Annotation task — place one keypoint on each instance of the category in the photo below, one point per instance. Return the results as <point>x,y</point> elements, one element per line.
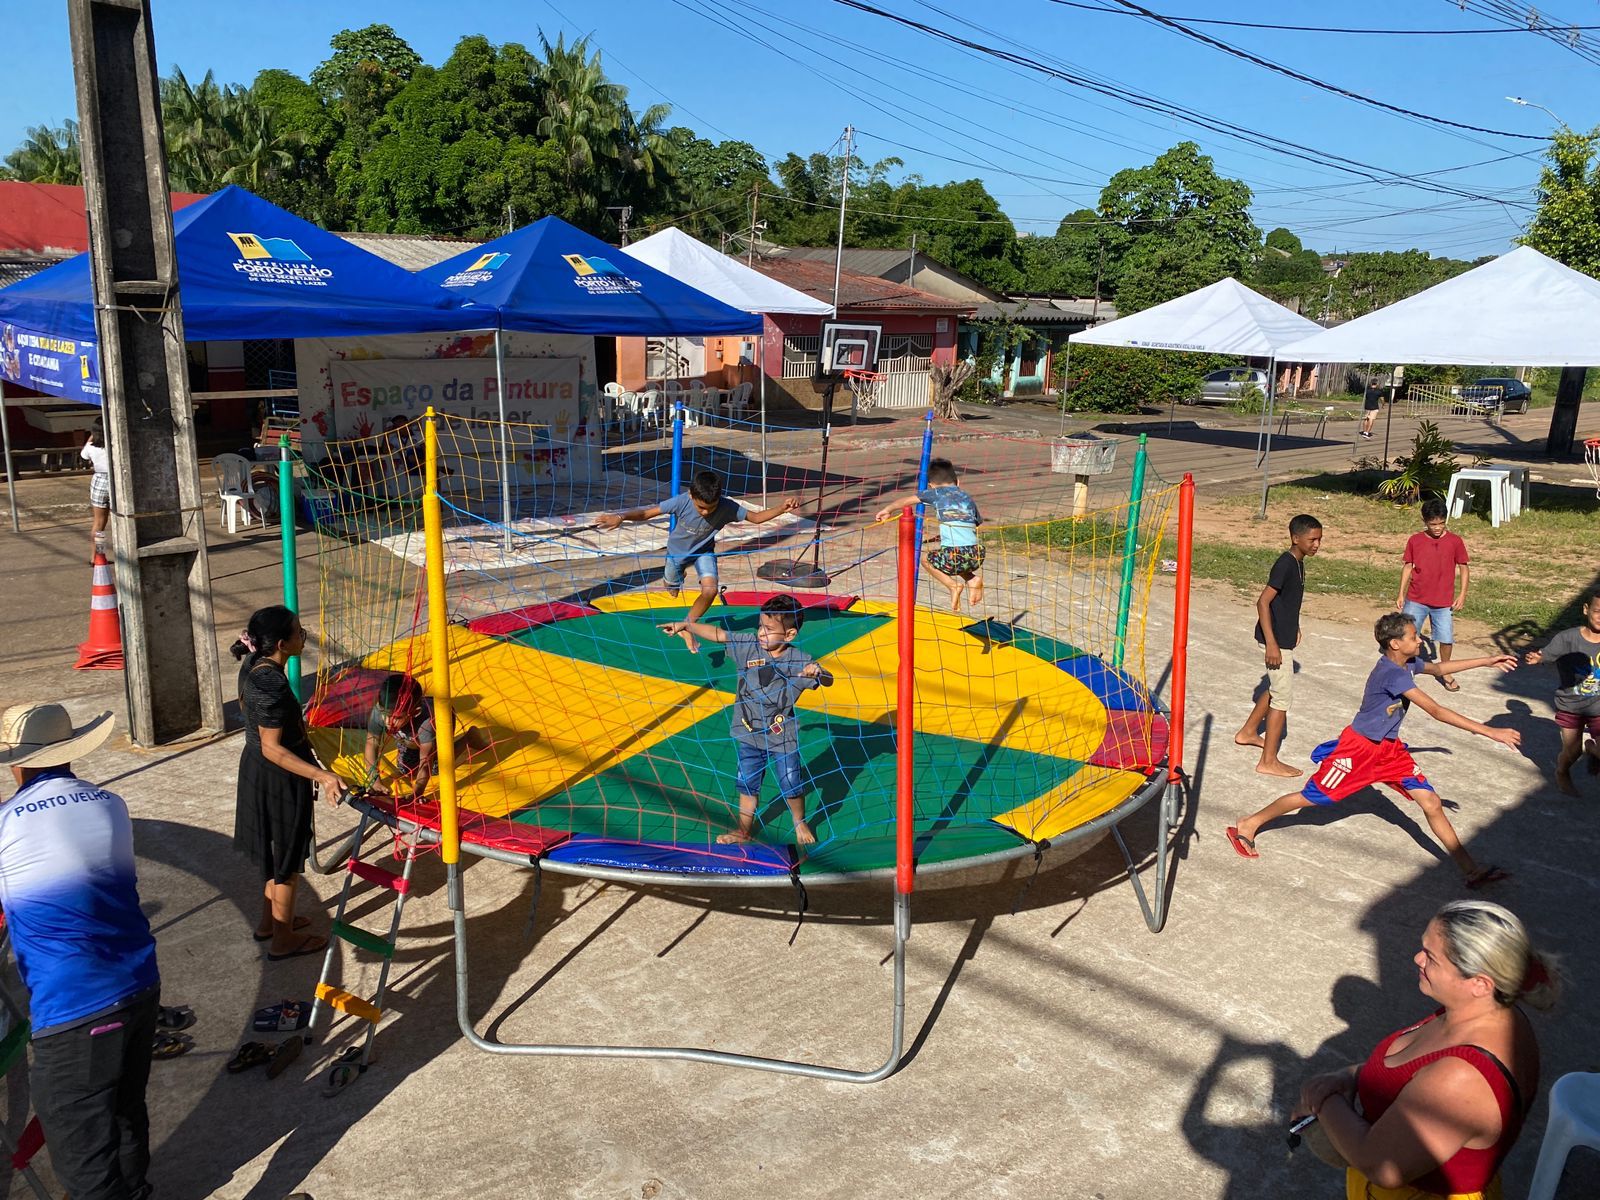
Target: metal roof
<point>413,251</point>
<point>857,292</point>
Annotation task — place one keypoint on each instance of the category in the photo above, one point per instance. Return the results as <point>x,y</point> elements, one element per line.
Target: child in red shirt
<point>1428,582</point>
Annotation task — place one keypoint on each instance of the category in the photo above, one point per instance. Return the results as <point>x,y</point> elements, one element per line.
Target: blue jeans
<point>1441,622</point>
<point>705,566</point>
<point>753,770</point>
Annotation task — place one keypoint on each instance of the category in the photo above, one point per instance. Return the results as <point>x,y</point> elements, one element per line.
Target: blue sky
<point>787,76</point>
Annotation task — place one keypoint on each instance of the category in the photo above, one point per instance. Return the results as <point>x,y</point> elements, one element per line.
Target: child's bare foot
<point>734,837</point>
<point>976,591</point>
<point>803,835</point>
<point>1564,783</point>
<point>1249,739</point>
<point>955,598</point>
<point>1282,770</point>
<point>1591,754</point>
<point>694,648</point>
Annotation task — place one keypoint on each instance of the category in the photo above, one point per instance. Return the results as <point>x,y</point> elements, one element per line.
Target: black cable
<point>1499,29</point>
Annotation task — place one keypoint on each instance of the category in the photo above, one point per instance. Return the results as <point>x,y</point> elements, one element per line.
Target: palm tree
<point>256,149</point>
<point>584,116</point>
<point>48,156</point>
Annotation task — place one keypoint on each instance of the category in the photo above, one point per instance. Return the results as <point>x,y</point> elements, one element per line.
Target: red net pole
<point>1180,627</point>
<point>904,717</point>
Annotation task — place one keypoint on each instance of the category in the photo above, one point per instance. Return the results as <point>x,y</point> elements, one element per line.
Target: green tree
<point>1287,270</point>
<point>366,70</point>
<point>1072,261</point>
<point>1178,225</point>
<point>48,155</point>
<point>306,187</point>
<point>962,226</point>
<point>1566,226</point>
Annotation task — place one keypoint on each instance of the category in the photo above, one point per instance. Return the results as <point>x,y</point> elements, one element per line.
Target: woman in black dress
<point>277,772</point>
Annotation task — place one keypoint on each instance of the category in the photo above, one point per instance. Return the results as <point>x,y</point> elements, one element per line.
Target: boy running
<point>773,673</point>
<point>699,513</point>
<point>1576,653</point>
<point>1428,582</point>
<point>958,561</point>
<point>1370,751</point>
<point>1278,632</point>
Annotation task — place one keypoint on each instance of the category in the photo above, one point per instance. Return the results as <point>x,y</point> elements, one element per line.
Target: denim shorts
<point>753,771</point>
<point>705,567</point>
<point>1441,622</point>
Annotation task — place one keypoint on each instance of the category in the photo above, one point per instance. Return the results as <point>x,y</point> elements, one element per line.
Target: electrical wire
<point>1342,29</point>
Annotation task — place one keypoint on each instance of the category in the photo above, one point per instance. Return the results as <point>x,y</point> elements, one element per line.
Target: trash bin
<point>1087,455</point>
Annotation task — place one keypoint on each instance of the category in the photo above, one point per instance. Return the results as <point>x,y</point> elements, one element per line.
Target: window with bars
<point>905,353</point>
<point>801,356</point>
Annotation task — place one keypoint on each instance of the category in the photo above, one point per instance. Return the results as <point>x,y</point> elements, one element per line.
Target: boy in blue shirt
<point>958,561</point>
<point>700,512</point>
<point>773,673</point>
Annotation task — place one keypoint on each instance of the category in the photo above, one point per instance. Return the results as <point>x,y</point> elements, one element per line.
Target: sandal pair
<point>276,1058</point>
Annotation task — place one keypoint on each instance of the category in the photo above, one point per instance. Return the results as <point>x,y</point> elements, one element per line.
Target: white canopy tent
<point>1522,309</point>
<point>689,261</point>
<point>1223,318</point>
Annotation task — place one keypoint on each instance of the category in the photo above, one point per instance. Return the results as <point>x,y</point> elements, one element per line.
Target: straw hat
<point>42,735</point>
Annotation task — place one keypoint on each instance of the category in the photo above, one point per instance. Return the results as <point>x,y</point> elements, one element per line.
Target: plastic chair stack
<point>234,488</point>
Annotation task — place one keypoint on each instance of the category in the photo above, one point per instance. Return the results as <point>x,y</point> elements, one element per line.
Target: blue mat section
<point>751,859</point>
<point>1115,689</point>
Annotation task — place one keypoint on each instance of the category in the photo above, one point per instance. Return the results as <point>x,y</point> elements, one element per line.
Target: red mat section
<point>496,833</point>
<point>347,700</point>
<point>517,620</point>
<point>1133,742</point>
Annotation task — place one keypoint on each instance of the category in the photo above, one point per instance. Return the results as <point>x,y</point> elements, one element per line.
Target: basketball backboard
<point>848,346</point>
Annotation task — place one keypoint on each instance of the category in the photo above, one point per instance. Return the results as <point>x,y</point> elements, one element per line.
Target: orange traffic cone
<point>102,651</point>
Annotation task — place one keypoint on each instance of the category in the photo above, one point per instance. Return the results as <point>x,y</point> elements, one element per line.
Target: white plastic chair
<point>649,407</point>
<point>1574,1121</point>
<point>1503,505</point>
<point>613,402</point>
<point>234,488</point>
<point>739,400</point>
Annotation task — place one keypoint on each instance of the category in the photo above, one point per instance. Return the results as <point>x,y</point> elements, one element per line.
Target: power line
<point>1341,29</point>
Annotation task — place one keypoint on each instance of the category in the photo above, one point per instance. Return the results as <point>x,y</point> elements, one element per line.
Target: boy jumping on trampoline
<point>1576,654</point>
<point>1278,633</point>
<point>773,672</point>
<point>958,561</point>
<point>699,513</point>
<point>1370,751</point>
<point>403,714</point>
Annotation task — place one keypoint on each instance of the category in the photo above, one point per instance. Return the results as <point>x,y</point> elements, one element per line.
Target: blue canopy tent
<point>246,269</point>
<point>551,277</point>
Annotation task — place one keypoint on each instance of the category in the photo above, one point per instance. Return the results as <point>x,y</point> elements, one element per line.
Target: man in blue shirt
<point>84,950</point>
<point>697,515</point>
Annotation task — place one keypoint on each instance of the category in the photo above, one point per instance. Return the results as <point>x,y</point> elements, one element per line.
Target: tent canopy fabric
<point>687,260</point>
<point>1523,308</point>
<point>551,277</point>
<point>1223,318</point>
<point>248,269</point>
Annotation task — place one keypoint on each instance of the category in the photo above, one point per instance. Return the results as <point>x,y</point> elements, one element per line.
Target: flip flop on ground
<point>1242,846</point>
<point>170,1045</point>
<point>175,1017</point>
<point>310,945</point>
<point>1484,876</point>
<point>299,924</point>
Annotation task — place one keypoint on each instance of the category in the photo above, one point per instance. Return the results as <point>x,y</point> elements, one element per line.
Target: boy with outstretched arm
<point>773,673</point>
<point>1370,751</point>
<point>1576,654</point>
<point>1278,633</point>
<point>700,512</point>
<point>1433,561</point>
<point>958,561</point>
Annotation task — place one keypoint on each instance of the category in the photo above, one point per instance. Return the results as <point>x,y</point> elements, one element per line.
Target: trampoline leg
<point>902,931</point>
<point>1155,914</point>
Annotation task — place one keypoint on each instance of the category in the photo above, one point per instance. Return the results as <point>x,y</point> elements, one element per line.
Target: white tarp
<point>675,253</point>
<point>1224,318</point>
<point>1523,309</point>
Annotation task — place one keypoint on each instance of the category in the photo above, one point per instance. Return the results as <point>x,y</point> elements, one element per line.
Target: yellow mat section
<point>965,689</point>
<point>1091,792</point>
<point>553,720</point>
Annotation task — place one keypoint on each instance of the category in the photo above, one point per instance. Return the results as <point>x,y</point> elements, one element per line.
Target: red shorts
<point>1354,762</point>
<point>1589,723</point>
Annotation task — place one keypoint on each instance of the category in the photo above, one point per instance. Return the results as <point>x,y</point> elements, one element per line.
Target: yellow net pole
<point>439,639</point>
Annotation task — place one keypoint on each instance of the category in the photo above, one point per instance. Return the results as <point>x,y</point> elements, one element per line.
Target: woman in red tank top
<point>1436,1108</point>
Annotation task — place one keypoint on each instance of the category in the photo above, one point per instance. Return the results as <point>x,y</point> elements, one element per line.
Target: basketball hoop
<point>1591,456</point>
<point>863,386</point>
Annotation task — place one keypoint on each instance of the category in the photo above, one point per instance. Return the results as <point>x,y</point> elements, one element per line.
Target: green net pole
<point>291,568</point>
<point>1130,551</point>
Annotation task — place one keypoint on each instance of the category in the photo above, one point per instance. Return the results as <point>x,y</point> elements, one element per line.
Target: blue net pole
<point>922,486</point>
<point>677,455</point>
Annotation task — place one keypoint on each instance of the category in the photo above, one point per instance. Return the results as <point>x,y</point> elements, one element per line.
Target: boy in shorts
<point>1576,653</point>
<point>773,673</point>
<point>958,561</point>
<point>1428,592</point>
<point>697,515</point>
<point>1370,751</point>
<point>1278,633</point>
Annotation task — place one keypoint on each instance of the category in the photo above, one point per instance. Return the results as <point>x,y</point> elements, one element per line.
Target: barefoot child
<point>1278,632</point>
<point>1370,751</point>
<point>699,513</point>
<point>1576,653</point>
<point>773,672</point>
<point>958,561</point>
<point>404,714</point>
<point>1428,582</point>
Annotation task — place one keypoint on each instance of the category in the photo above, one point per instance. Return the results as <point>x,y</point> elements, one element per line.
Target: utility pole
<point>157,517</point>
<point>911,267</point>
<point>1099,270</point>
<point>625,213</point>
<point>844,193</point>
<point>511,220</point>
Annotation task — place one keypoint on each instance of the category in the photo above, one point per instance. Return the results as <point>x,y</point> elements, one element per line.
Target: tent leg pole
<point>1266,451</point>
<point>11,471</point>
<point>761,368</point>
<point>1388,421</point>
<point>505,449</point>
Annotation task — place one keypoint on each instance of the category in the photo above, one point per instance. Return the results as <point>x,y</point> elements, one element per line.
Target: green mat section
<point>683,792</point>
<point>632,641</point>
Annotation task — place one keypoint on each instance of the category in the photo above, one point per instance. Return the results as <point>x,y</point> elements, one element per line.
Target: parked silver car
<point>1230,383</point>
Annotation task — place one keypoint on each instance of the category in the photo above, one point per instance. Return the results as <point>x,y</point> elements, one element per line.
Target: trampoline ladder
<point>333,997</point>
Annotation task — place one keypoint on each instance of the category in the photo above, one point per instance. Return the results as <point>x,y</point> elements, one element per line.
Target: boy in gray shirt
<point>773,673</point>
<point>1576,654</point>
<point>696,516</point>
